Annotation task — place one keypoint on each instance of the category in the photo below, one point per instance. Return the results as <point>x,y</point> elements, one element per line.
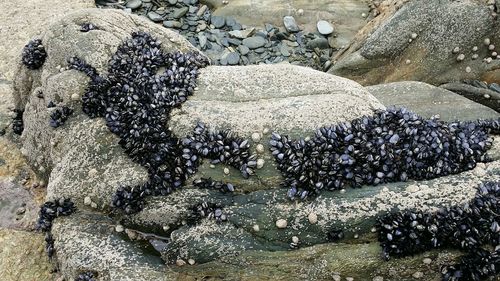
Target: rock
<point>321,43</point>
<point>22,256</point>
<point>18,210</point>
<point>281,223</point>
<point>242,34</point>
<point>428,100</point>
<point>180,12</point>
<point>217,21</point>
<point>380,49</point>
<point>290,24</point>
<point>154,16</point>
<point>82,158</point>
<point>172,24</point>
<point>313,218</point>
<point>134,4</point>
<point>203,41</point>
<point>254,42</point>
<point>324,27</point>
<point>427,261</point>
<point>243,49</point>
<point>233,58</point>
<point>284,50</point>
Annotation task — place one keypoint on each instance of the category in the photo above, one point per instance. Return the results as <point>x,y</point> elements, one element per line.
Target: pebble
<point>172,24</point>
<point>256,228</point>
<point>172,2</point>
<point>378,278</point>
<point>203,41</point>
<point>93,205</point>
<point>313,218</point>
<point>373,230</point>
<point>154,16</point>
<point>233,58</point>
<point>134,4</point>
<point>475,56</point>
<point>217,21</point>
<point>241,34</point>
<point>260,163</point>
<point>461,57</point>
<point>295,239</point>
<point>456,50</point>
<point>321,43</point>
<point>202,10</point>
<point>254,42</point>
<point>413,35</point>
<point>290,24</point>
<point>260,148</point>
<point>226,171</point>
<point>363,15</point>
<point>75,97</point>
<point>418,275</point>
<point>427,261</point>
<point>486,96</point>
<point>491,47</point>
<point>468,69</point>
<point>281,223</point>
<point>474,49</point>
<point>265,131</point>
<point>243,49</point>
<point>408,61</point>
<point>336,277</point>
<point>324,27</point>
<point>191,261</point>
<point>180,12</point>
<point>180,262</point>
<point>256,137</point>
<point>487,41</point>
<point>349,279</point>
<point>300,12</point>
<point>284,50</point>
<point>87,201</point>
<point>119,228</point>
<point>488,60</point>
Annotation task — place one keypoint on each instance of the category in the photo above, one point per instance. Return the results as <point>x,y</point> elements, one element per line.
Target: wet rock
<point>154,16</point>
<point>428,100</point>
<point>134,4</point>
<point>290,24</point>
<point>217,21</point>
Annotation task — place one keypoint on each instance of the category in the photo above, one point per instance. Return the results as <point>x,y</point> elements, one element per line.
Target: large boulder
<point>387,51</point>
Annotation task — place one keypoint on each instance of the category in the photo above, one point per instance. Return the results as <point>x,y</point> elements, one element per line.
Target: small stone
<point>260,163</point>
<point>373,230</point>
<point>254,42</point>
<point>474,49</point>
<point>87,201</point>
<point>418,275</point>
<point>486,96</point>
<point>356,236</point>
<point>226,171</point>
<point>243,49</point>
<point>180,12</point>
<point>75,97</point>
<point>461,57</point>
<point>93,205</point>
<point>300,12</point>
<point>119,228</point>
<point>281,223</point>
<point>378,278</point>
<point>468,69</point>
<point>408,61</point>
<point>180,262</point>
<point>413,35</point>
<point>259,148</point>
<point>256,137</point>
<point>475,56</point>
<point>265,131</point>
<point>313,218</point>
<point>241,34</point>
<point>494,54</point>
<point>349,279</point>
<point>212,166</point>
<point>172,2</point>
<point>131,234</point>
<point>342,191</point>
<point>203,41</point>
<point>166,228</point>
<point>256,228</point>
<point>295,239</point>
<point>491,47</point>
<point>456,50</point>
<point>201,10</point>
<point>336,277</point>
<point>427,261</point>
<point>154,16</point>
<point>284,50</point>
<point>233,58</point>
<point>290,24</point>
<point>488,60</point>
<point>324,27</point>
<point>217,21</point>
<point>134,4</point>
<point>363,15</point>
<point>191,261</point>
<point>487,41</point>
<point>321,43</point>
<point>172,24</point>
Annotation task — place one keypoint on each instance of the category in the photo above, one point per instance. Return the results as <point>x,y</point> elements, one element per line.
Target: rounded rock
<point>491,47</point>
<point>134,4</point>
<point>260,163</point>
<point>75,97</point>
<point>260,148</point>
<point>295,239</point>
<point>256,228</point>
<point>180,262</point>
<point>233,58</point>
<point>281,223</point>
<point>191,261</point>
<point>418,275</point>
<point>413,35</point>
<point>461,57</point>
<point>487,41</point>
<point>119,228</point>
<point>313,218</point>
<point>456,50</point>
<point>290,24</point>
<point>468,69</point>
<point>226,171</point>
<point>324,27</point>
<point>427,261</point>
<point>256,137</point>
<point>87,201</point>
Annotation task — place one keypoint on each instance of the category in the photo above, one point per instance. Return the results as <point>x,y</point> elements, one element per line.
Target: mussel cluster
<point>87,276</point>
<point>392,145</point>
<point>34,54</point>
<point>212,184</point>
<point>48,212</point>
<point>17,122</point>
<point>59,116</point>
<point>469,227</point>
<point>207,210</point>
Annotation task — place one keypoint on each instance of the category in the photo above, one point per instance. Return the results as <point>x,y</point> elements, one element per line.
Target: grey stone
<point>284,50</point>
<point>324,27</point>
<point>320,42</point>
<point>180,12</point>
<point>172,24</point>
<point>290,24</point>
<point>217,21</point>
<point>243,49</point>
<point>233,58</point>
<point>203,41</point>
<point>134,4</point>
<point>172,2</point>
<point>428,100</point>
<point>254,42</point>
<point>241,34</point>
<point>201,10</point>
<point>154,16</point>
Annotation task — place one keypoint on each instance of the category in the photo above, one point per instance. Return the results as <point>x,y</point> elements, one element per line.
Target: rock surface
<point>428,100</point>
<point>381,50</point>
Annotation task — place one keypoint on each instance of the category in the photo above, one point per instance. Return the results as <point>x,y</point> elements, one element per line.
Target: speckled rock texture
<point>261,99</point>
<point>383,52</point>
<point>81,158</point>
<point>428,100</point>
